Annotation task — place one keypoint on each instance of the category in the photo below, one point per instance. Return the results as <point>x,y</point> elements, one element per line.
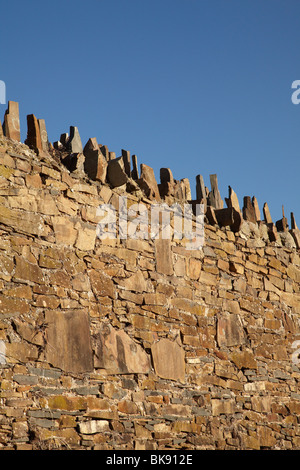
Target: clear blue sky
<point>198,86</point>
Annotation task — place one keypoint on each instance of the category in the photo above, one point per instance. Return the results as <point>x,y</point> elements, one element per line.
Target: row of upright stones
<point>99,164</point>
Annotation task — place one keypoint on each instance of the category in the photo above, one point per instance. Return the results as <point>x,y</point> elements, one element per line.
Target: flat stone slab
<point>68,344</point>
<point>169,360</point>
<point>116,352</point>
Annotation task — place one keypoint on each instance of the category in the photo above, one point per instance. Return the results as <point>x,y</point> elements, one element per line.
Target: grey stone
<point>74,144</point>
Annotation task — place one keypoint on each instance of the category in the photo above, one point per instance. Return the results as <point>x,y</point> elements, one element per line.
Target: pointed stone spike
<point>200,188</point>
<point>74,144</point>
<point>105,151</point>
<point>293,222</point>
<point>95,164</point>
<point>11,126</point>
<point>166,176</point>
<point>1,130</point>
<point>44,135</point>
<point>214,198</point>
<point>267,215</point>
<point>126,159</point>
<point>135,169</point>
<point>33,133</point>
<point>232,200</point>
<point>256,208</point>
<point>248,210</point>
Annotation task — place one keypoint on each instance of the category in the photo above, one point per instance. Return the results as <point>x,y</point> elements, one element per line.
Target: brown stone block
<point>116,352</point>
<point>13,305</point>
<point>168,359</point>
<point>28,272</point>
<point>163,256</point>
<point>102,285</point>
<point>244,359</point>
<point>68,341</point>
<point>12,121</point>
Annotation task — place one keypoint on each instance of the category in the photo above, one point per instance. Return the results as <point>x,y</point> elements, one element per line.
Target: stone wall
<point>139,344</point>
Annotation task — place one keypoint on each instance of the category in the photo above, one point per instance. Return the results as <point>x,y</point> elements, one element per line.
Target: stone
<point>64,139</point>
<point>136,282</point>
<point>200,189</point>
<point>226,217</point>
<point>282,224</point>
<point>11,126</point>
<point>95,164</point>
<point>296,236</point>
<point>26,271</point>
<point>94,426</point>
<point>126,160</point>
<point>147,183</point>
<point>1,130</point>
<point>135,170</point>
<point>116,175</point>
<point>214,197</point>
<point>86,238</point>
<point>74,144</point>
<point>267,215</point>
<point>230,331</point>
<point>102,285</point>
<point>44,135</point>
<point>232,200</point>
<point>169,360</point>
<point>244,359</point>
<point>117,353</point>
<point>64,230</point>
<point>248,210</point>
<point>68,345</point>
<point>163,256</point>
<point>256,208</point>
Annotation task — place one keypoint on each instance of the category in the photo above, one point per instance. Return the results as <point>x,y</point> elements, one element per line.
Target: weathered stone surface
<point>126,160</point>
<point>136,282</point>
<point>102,285</point>
<point>94,426</point>
<point>43,134</point>
<point>12,121</point>
<point>74,144</point>
<point>230,331</point>
<point>244,359</point>
<point>169,360</point>
<point>26,271</point>
<point>232,200</point>
<point>267,215</point>
<point>116,175</point>
<point>163,255</point>
<point>147,182</point>
<point>248,210</point>
<point>116,352</point>
<point>68,341</point>
<point>95,164</point>
<point>33,140</point>
<point>135,170</point>
<point>256,208</point>
<point>214,197</point>
<point>64,230</point>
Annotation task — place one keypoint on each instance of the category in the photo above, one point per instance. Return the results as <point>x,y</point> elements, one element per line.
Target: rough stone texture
<point>68,341</point>
<point>117,353</point>
<point>95,164</point>
<point>168,359</point>
<point>74,143</point>
<point>11,123</point>
<point>124,344</point>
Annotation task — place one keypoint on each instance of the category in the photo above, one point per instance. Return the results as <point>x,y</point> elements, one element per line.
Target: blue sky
<point>198,86</point>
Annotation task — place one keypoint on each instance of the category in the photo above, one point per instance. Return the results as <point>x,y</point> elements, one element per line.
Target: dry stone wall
<point>139,343</point>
